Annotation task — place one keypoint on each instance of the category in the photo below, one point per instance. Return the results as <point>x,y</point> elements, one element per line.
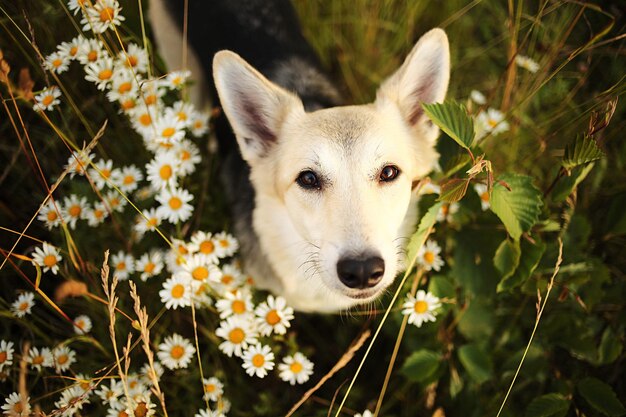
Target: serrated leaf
<point>549,405</point>
<point>506,258</point>
<point>518,208</point>
<point>566,185</point>
<point>601,397</point>
<point>421,365</point>
<point>453,190</point>
<point>582,151</point>
<point>452,118</point>
<point>419,237</point>
<point>529,259</point>
<point>476,362</point>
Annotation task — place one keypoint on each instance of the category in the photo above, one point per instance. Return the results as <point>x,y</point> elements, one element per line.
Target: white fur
<point>303,232</point>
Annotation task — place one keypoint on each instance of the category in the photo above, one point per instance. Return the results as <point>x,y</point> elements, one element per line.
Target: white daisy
<point>203,244</point>
<point>181,111</point>
<point>527,63</point>
<point>70,49</point>
<point>123,85</point>
<point>176,256</point>
<point>82,324</point>
<point>146,372</point>
<point>176,79</point>
<point>103,15</point>
<point>175,205</point>
<point>100,72</point>
<point>123,265</point>
<point>478,97</point>
<point>295,369</point>
<point>101,173</point>
<point>110,394</point>
<point>135,58</point>
<point>78,163</point>
<point>90,50</point>
<point>85,383</point>
<point>77,5</point>
<point>47,257</point>
<point>238,303</point>
<point>115,201</point>
<point>38,359</point>
<point>149,265</point>
<point>142,118</point>
<point>57,63</point>
<point>231,278</point>
<point>47,99</point>
<point>15,405</point>
<point>430,188</point>
<point>213,389</point>
<point>421,308</point>
<point>209,413</point>
<point>199,124</point>
<point>447,211</point>
<point>176,292</point>
<point>428,256</point>
<point>148,221</point>
<point>23,304</point>
<point>50,215</point>
<point>226,245</point>
<point>71,401</point>
<point>490,121</point>
<point>483,192</point>
<point>273,315</point>
<point>74,209</point>
<point>188,156</point>
<point>97,214</point>
<point>128,178</point>
<point>197,270</point>
<point>237,333</point>
<point>162,171</point>
<point>366,413</point>
<point>64,357</point>
<point>257,360</point>
<point>175,352</point>
<point>168,130</point>
<point>6,354</point>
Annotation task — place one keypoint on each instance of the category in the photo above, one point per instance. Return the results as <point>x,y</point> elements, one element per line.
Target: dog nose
<point>361,273</point>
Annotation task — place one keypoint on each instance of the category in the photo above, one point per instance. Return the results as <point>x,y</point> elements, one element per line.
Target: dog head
<point>334,186</point>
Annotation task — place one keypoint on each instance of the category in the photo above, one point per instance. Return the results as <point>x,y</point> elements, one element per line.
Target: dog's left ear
<point>422,78</point>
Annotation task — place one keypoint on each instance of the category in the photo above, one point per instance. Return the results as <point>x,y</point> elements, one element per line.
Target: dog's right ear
<point>256,108</point>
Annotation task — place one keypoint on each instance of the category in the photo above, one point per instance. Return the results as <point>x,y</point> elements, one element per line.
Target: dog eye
<point>389,173</point>
<point>308,180</point>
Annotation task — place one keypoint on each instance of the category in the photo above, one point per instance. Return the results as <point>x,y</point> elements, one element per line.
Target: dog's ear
<point>422,78</point>
<point>255,107</point>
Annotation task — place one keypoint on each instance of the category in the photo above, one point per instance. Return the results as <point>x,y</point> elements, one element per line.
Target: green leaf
<point>419,237</point>
<point>452,118</point>
<point>601,397</point>
<point>477,322</point>
<point>518,208</point>
<point>421,365</point>
<point>476,362</point>
<point>529,260</point>
<point>441,286</point>
<point>549,405</point>
<point>610,348</point>
<point>582,151</point>
<point>566,185</point>
<point>507,257</point>
<point>453,190</point>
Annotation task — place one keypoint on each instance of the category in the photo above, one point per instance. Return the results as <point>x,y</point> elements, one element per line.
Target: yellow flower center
<point>227,279</point>
<point>75,211</point>
<point>152,222</point>
<point>236,335</point>
<point>178,291</point>
<point>177,352</point>
<point>114,202</point>
<point>238,306</point>
<point>98,214</point>
<point>175,203</point>
<point>145,119</point>
<point>207,247</point>
<point>296,367</point>
<point>92,56</point>
<point>24,306</point>
<point>209,388</point>
<point>128,104</point>
<point>150,99</point>
<point>420,307</point>
<point>80,324</point>
<point>85,385</point>
<point>122,413</point>
<point>141,410</point>
<point>258,360</point>
<point>124,87</point>
<point>57,62</point>
<point>129,179</point>
<point>62,359</point>
<point>47,100</point>
<point>73,50</point>
<point>429,257</point>
<point>132,61</point>
<point>50,261</point>
<point>177,80</point>
<point>121,266</point>
<point>52,216</point>
<point>485,196</point>
<point>200,273</point>
<point>492,123</point>
<point>107,14</point>
<point>38,360</point>
<point>168,132</point>
<point>185,155</point>
<point>165,172</point>
<point>224,243</point>
<point>105,74</point>
<point>105,173</point>
<point>18,408</point>
<point>182,116</point>
<point>149,267</point>
<point>3,357</point>
<point>272,318</point>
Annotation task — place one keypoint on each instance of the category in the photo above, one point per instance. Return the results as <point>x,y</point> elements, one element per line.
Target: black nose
<point>360,273</point>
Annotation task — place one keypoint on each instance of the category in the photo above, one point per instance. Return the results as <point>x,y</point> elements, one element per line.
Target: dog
<point>323,194</point>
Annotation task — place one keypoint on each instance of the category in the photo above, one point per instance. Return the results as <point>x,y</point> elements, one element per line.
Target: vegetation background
<point>462,365</point>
